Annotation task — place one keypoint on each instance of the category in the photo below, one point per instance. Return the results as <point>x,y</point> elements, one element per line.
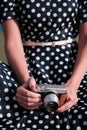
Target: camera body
<point>50,95</point>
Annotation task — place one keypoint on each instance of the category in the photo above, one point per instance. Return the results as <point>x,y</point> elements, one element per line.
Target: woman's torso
<point>48,20</point>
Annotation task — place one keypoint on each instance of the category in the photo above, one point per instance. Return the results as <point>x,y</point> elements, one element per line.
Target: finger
<point>62,99</point>
<point>31,83</point>
<point>27,93</point>
<point>71,93</point>
<point>65,107</point>
<point>29,108</point>
<point>30,102</point>
<point>27,99</point>
<point>69,103</point>
<point>76,101</point>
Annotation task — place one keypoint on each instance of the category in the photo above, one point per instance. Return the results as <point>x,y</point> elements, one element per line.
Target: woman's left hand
<point>69,99</point>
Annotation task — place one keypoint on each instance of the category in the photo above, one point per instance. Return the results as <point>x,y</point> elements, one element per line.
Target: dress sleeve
<point>7,10</point>
<point>83,11</point>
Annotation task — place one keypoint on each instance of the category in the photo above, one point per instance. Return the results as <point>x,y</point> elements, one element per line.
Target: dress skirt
<point>51,65</point>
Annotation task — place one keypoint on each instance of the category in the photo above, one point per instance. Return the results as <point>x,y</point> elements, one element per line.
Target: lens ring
<point>51,102</point>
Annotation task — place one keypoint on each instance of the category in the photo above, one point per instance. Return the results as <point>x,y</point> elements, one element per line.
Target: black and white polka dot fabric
<point>44,20</point>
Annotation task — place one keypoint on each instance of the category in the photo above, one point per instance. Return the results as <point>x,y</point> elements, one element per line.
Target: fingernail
<point>32,87</point>
<point>69,99</point>
<point>39,96</point>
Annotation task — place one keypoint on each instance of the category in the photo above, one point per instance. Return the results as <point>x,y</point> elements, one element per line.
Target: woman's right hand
<point>26,97</point>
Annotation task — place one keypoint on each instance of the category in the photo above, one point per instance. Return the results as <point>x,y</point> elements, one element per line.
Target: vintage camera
<point>50,95</point>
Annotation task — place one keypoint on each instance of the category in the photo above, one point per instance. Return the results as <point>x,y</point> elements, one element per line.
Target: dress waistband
<point>53,43</point>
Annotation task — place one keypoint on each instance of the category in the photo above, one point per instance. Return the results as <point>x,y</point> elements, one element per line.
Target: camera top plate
<point>61,89</point>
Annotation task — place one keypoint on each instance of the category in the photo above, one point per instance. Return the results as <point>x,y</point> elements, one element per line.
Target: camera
<point>50,95</point>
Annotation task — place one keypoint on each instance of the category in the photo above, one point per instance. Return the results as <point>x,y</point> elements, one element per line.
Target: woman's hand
<point>27,98</point>
<point>69,99</point>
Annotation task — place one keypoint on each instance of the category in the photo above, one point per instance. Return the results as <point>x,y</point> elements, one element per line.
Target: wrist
<point>24,79</point>
<point>73,83</point>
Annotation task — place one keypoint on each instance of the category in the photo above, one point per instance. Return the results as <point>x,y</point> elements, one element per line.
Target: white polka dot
<point>34,126</point>
<point>78,128</point>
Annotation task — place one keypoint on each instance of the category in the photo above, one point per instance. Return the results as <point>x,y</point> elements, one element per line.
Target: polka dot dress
<point>44,20</point>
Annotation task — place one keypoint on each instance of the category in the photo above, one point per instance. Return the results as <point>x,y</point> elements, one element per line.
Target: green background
<point>2,52</point>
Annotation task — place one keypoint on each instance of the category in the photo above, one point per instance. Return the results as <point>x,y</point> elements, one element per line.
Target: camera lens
<point>51,102</point>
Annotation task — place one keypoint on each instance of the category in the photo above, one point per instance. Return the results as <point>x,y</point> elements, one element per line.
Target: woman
<point>41,48</point>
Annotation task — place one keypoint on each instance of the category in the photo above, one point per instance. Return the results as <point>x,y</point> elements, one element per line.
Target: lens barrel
<point>51,101</point>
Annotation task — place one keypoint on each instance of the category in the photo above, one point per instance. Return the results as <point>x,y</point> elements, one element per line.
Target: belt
<point>53,43</point>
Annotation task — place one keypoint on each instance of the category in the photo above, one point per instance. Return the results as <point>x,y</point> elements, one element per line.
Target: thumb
<point>31,83</point>
<point>69,95</point>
